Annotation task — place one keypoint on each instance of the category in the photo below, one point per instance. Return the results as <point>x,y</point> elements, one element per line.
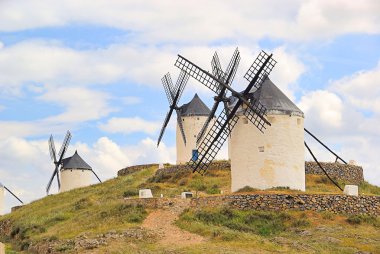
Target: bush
<point>246,189</point>
<point>130,193</point>
<point>362,218</point>
<point>213,189</point>
<point>300,223</point>
<point>257,222</point>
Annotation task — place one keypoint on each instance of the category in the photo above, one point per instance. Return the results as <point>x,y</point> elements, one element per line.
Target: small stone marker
<point>352,162</point>
<point>186,194</point>
<point>145,193</point>
<point>351,190</point>
<point>2,248</point>
<point>161,166</point>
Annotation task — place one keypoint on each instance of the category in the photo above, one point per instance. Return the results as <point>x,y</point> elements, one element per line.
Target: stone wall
<point>132,169</point>
<point>216,165</point>
<point>341,204</point>
<point>281,202</point>
<point>350,174</point>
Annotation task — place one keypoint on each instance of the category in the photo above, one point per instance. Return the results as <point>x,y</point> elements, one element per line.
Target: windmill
<point>218,82</point>
<point>72,172</point>
<point>227,77</point>
<point>57,161</point>
<point>255,161</point>
<point>2,188</point>
<point>173,94</point>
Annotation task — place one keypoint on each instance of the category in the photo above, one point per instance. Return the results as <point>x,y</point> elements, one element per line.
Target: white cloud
<point>130,125</point>
<point>26,166</point>
<point>324,107</point>
<point>80,104</point>
<point>187,22</point>
<point>131,100</point>
<point>362,89</point>
<point>336,116</point>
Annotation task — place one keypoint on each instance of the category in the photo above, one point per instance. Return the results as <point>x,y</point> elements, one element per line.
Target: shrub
<point>246,189</point>
<point>130,193</point>
<point>213,189</point>
<point>82,203</point>
<point>363,218</point>
<point>257,222</point>
<point>300,223</point>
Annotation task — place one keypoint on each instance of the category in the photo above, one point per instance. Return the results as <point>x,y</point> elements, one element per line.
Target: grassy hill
<point>96,219</point>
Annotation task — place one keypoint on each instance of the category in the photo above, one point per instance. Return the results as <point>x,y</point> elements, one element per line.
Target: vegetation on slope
<point>99,209</point>
<point>291,232</point>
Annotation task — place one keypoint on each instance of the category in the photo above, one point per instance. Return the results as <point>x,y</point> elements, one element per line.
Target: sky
<point>95,67</point>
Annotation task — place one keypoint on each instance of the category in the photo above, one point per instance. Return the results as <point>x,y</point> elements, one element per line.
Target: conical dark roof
<point>275,101</point>
<point>75,162</point>
<point>195,107</point>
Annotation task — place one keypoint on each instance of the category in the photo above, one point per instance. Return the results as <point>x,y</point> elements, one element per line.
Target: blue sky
<point>95,68</point>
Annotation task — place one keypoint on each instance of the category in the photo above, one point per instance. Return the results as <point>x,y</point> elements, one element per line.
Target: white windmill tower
<point>190,118</point>
<point>2,194</point>
<point>73,171</point>
<point>275,157</point>
<point>193,115</point>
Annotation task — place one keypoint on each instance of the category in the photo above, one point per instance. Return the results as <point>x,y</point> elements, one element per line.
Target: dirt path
<point>162,222</point>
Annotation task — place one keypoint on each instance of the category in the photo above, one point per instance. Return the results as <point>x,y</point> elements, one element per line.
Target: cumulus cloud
<point>322,106</point>
<point>336,116</point>
<point>167,20</point>
<point>79,104</point>
<point>130,125</point>
<point>26,165</point>
<point>361,89</point>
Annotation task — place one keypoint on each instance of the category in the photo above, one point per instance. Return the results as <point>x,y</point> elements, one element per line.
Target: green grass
<point>100,208</point>
<point>288,232</point>
<point>219,222</point>
<point>91,210</point>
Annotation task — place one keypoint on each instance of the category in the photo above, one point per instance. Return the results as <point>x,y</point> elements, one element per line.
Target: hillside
<point>96,219</point>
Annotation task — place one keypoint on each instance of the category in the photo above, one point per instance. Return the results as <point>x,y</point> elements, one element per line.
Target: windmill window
<point>194,156</point>
<point>245,120</point>
<point>261,149</point>
<point>298,121</point>
<point>183,119</point>
<point>197,118</point>
<point>195,136</point>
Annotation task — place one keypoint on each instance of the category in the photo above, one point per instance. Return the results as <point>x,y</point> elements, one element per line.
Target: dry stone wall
<point>132,169</point>
<point>341,204</point>
<point>350,174</point>
<point>281,202</point>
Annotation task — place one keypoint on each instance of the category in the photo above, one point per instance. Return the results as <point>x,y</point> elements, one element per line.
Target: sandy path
<point>162,222</point>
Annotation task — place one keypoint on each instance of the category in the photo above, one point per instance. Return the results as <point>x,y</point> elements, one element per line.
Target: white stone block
<point>2,248</point>
<point>145,193</point>
<point>352,162</point>
<point>351,190</point>
<point>186,194</point>
<point>160,166</point>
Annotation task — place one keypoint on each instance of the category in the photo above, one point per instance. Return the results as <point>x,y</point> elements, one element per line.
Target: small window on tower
<point>194,156</point>
<point>197,118</point>
<point>261,149</point>
<point>183,119</point>
<point>298,121</point>
<point>245,120</point>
